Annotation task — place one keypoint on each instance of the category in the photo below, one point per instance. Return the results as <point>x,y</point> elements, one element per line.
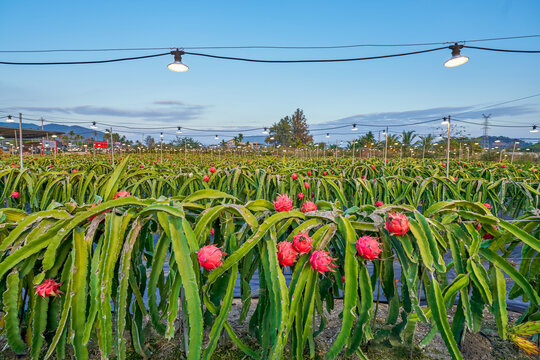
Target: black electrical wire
<point>503,50</point>
<point>313,60</point>
<point>84,62</point>
<point>270,46</point>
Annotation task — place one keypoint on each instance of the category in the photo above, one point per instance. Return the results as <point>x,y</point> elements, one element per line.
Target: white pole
<point>448,150</point>
<point>112,148</point>
<point>513,151</point>
<point>386,145</point>
<point>20,139</point>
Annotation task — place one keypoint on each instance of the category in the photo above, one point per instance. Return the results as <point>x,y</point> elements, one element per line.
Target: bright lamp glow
<point>327,135</point>
<point>456,59</point>
<point>93,125</point>
<point>179,131</point>
<point>177,65</point>
<point>534,129</point>
<point>497,141</point>
<point>10,119</point>
<point>265,131</point>
<point>445,121</point>
<point>354,128</point>
<point>216,138</point>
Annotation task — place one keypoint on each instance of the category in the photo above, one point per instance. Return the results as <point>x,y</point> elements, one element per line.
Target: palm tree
<point>427,142</point>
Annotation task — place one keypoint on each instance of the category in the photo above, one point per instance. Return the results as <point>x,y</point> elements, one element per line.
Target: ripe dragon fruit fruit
<point>302,243</point>
<point>309,206</point>
<point>48,288</point>
<point>286,253</point>
<point>212,169</point>
<point>121,194</point>
<point>379,203</point>
<point>283,203</point>
<point>321,261</point>
<point>294,176</point>
<point>210,257</point>
<point>15,195</point>
<point>368,247</point>
<point>300,196</point>
<point>397,224</point>
<point>487,235</point>
<point>206,178</point>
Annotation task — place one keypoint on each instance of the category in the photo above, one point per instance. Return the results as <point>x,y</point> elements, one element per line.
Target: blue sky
<point>218,94</point>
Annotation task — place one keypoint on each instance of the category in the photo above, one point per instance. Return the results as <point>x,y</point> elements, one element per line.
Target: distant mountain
<point>505,142</point>
<point>79,130</point>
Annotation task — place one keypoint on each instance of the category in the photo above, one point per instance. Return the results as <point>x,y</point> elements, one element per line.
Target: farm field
<point>267,257</point>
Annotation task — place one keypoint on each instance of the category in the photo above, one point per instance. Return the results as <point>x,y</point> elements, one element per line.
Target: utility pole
<point>20,139</point>
<point>385,145</point>
<point>513,151</point>
<point>112,148</point>
<point>485,143</point>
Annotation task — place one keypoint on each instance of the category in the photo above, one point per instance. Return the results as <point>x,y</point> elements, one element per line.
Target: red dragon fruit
<point>300,196</point>
<point>286,253</point>
<point>206,178</point>
<point>212,169</point>
<point>379,203</point>
<point>48,288</point>
<point>302,243</point>
<point>121,194</point>
<point>15,195</point>
<point>294,176</point>
<point>321,261</point>
<point>309,206</point>
<point>283,203</point>
<point>397,224</point>
<point>368,247</point>
<point>210,257</point>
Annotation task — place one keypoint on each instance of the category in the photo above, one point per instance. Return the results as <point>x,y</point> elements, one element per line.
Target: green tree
<point>300,131</point>
<point>149,141</point>
<point>280,133</point>
<point>186,141</point>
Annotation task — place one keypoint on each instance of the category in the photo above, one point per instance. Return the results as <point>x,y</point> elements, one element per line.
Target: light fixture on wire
<point>161,136</point>
<point>265,131</point>
<point>456,59</point>
<point>534,129</point>
<point>177,65</point>
<point>354,128</point>
<point>9,119</point>
<point>93,125</point>
<point>497,141</point>
<point>444,121</point>
<point>179,130</point>
<point>327,135</point>
<point>216,138</point>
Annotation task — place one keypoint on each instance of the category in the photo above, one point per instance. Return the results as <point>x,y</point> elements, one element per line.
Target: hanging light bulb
<point>265,131</point>
<point>161,136</point>
<point>177,65</point>
<point>456,59</point>
<point>216,138</point>
<point>444,121</point>
<point>354,128</point>
<point>9,119</point>
<point>327,135</point>
<point>271,138</point>
<point>534,129</point>
<point>497,141</point>
<point>93,125</point>
<point>179,131</point>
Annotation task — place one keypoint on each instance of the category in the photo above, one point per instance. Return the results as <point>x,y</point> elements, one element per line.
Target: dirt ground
<point>483,346</point>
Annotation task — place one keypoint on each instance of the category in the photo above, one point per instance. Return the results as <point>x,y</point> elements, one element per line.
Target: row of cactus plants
<point>76,273</point>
